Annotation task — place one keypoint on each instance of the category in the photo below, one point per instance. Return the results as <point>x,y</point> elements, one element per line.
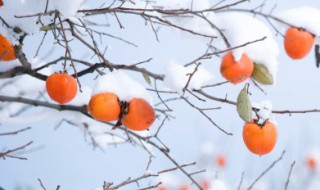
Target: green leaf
<point>261,74</point>
<point>45,28</point>
<point>147,78</point>
<point>244,107</point>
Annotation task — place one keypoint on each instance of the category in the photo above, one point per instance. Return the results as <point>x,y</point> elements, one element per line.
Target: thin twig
<point>288,179</point>
<point>265,171</point>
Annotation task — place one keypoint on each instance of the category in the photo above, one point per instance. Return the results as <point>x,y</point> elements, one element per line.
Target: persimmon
<point>61,87</point>
<point>236,71</point>
<point>311,162</point>
<point>161,187</point>
<point>6,50</point>
<point>104,107</point>
<point>260,139</point>
<point>1,3</point>
<point>221,161</point>
<point>205,185</point>
<point>184,187</point>
<point>139,116</point>
<point>298,42</point>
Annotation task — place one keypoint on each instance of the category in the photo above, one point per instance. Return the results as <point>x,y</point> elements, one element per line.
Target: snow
<point>240,28</point>
<point>122,85</point>
<point>12,8</point>
<point>265,111</point>
<point>305,17</point>
<point>82,98</point>
<point>207,149</point>
<point>67,8</point>
<point>169,180</point>
<point>217,184</point>
<point>9,65</point>
<point>150,172</point>
<point>170,4</point>
<point>176,77</point>
<point>184,4</point>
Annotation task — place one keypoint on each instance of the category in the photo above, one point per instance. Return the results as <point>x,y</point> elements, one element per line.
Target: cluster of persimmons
<point>138,114</point>
<point>261,138</point>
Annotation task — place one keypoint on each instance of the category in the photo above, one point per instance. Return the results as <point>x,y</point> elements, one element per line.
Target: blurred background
<point>64,156</point>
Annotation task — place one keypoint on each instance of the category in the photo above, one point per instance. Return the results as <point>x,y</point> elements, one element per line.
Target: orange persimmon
<point>104,107</point>
<point>61,87</point>
<point>236,71</point>
<point>260,139</point>
<point>298,42</point>
<point>140,115</point>
<point>6,50</point>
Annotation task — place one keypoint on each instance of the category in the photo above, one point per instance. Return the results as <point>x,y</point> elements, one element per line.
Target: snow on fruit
<point>116,96</point>
<point>236,71</point>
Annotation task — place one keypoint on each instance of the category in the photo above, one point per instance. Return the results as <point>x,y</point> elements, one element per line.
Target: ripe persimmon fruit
<point>221,161</point>
<point>311,162</point>
<point>161,187</point>
<point>205,185</point>
<point>298,42</point>
<point>260,139</point>
<point>6,50</point>
<point>184,187</point>
<point>104,107</point>
<point>139,115</point>
<point>61,87</point>
<point>236,71</point>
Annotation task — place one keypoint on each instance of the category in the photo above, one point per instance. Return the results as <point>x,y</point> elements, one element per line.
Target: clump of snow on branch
<point>240,29</point>
<point>217,184</point>
<point>122,85</point>
<point>67,8</point>
<point>170,4</point>
<point>169,180</point>
<point>13,8</point>
<point>194,22</point>
<point>82,98</point>
<point>265,111</point>
<point>176,77</point>
<point>305,17</point>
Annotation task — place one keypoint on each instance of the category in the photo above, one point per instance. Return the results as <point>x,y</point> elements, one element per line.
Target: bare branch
<point>265,171</point>
<point>15,132</point>
<point>288,179</point>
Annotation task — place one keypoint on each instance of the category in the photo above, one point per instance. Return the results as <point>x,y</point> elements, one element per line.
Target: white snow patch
<point>305,17</point>
<point>82,98</point>
<point>217,184</point>
<point>13,8</point>
<point>9,65</point>
<point>240,28</point>
<point>122,85</point>
<point>67,8</point>
<point>150,172</point>
<point>207,149</point>
<point>265,111</point>
<point>176,77</point>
